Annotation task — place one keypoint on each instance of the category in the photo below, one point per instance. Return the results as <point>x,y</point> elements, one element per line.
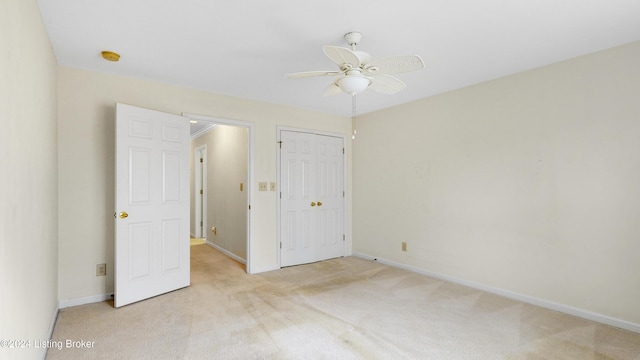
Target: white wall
<point>28,179</point>
<point>529,183</point>
<point>227,151</point>
<point>86,117</point>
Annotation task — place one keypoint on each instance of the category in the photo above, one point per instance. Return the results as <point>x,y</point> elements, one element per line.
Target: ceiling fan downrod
<point>353,38</point>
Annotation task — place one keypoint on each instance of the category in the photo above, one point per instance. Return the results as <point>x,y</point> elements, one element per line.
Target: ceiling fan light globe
<point>353,84</point>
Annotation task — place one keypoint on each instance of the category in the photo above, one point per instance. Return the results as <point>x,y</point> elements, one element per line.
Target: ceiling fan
<point>359,72</point>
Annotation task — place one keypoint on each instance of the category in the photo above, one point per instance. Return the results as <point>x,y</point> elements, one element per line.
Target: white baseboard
<point>54,318</point>
<point>585,314</point>
<point>228,253</point>
<point>52,326</point>
<point>84,300</point>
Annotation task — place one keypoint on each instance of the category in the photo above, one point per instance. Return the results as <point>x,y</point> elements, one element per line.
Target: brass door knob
<point>313,203</point>
<point>123,214</point>
<point>319,203</point>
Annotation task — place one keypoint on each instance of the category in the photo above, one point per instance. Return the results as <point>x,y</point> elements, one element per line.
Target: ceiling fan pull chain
<point>353,118</point>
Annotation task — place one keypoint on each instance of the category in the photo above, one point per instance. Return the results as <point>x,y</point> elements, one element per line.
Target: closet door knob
<point>319,203</point>
<point>313,203</point>
<point>123,215</point>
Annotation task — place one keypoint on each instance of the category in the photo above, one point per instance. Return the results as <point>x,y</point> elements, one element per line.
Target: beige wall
<point>227,164</point>
<point>28,180</point>
<point>86,127</point>
<point>529,183</point>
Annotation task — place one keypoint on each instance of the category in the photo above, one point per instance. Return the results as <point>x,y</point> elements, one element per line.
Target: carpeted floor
<point>346,308</point>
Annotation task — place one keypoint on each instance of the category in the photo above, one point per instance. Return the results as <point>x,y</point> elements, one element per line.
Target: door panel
<point>170,249</point>
<point>152,174</point>
<point>140,173</point>
<point>140,249</point>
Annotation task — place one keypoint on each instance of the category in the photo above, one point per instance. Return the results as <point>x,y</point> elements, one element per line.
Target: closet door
<point>298,198</point>
<point>330,197</point>
<point>311,198</point>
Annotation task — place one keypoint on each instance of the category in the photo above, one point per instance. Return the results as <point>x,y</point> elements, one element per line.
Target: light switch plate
<point>262,186</point>
<point>272,186</point>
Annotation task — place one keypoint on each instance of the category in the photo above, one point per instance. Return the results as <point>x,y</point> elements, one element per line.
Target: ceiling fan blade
<point>331,90</point>
<point>341,55</point>
<point>313,73</point>
<point>395,64</point>
<point>386,84</point>
<point>363,56</point>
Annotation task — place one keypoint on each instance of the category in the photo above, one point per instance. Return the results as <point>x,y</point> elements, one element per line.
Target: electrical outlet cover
<point>101,270</point>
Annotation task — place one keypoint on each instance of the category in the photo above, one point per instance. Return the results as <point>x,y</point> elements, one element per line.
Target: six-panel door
<point>152,204</point>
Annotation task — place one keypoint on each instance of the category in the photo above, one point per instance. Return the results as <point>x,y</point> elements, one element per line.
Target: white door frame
<point>250,126</point>
<point>279,130</point>
<point>201,183</point>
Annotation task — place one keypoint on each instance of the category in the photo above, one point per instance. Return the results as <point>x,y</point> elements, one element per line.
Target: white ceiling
<point>243,48</point>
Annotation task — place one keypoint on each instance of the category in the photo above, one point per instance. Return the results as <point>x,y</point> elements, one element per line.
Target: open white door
<point>152,204</point>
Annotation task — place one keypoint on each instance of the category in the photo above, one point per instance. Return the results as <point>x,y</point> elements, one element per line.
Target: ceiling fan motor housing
<point>353,38</point>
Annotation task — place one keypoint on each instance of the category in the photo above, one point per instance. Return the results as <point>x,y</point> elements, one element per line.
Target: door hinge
<point>342,193</point>
<point>249,206</point>
<point>342,151</point>
<point>280,142</point>
<point>280,194</point>
<point>201,192</point>
<point>201,224</point>
<point>280,244</point>
<point>201,158</point>
<point>344,237</point>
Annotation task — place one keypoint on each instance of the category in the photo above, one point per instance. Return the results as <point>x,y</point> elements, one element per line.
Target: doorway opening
<point>221,191</point>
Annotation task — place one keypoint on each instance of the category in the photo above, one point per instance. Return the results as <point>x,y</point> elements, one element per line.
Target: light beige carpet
<point>345,308</point>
